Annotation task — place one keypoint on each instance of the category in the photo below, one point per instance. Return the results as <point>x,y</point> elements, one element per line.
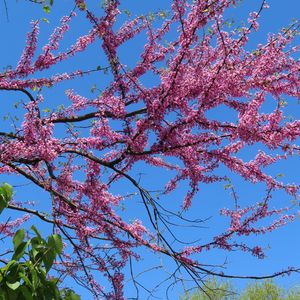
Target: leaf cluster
<point>26,275</point>
<point>46,4</point>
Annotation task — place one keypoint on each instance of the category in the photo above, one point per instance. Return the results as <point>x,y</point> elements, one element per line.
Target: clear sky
<point>284,243</point>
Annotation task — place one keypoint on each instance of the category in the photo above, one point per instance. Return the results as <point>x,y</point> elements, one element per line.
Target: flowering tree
<point>80,153</point>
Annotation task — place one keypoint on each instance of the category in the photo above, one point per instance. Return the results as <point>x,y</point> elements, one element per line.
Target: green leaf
<point>19,252</point>
<point>228,186</point>
<point>6,191</point>
<point>7,267</point>
<point>36,232</point>
<point>55,242</point>
<point>127,12</point>
<point>51,290</point>
<point>93,88</point>
<point>209,30</point>
<point>25,279</point>
<point>12,295</point>
<point>71,296</point>
<point>34,277</point>
<point>3,204</point>
<point>33,253</point>
<point>82,6</point>
<point>48,259</point>
<point>14,285</point>
<point>26,293</point>
<point>18,238</point>
<point>46,9</point>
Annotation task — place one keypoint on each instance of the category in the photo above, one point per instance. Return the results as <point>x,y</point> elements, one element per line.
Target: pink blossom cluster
<point>24,66</point>
<point>9,228</point>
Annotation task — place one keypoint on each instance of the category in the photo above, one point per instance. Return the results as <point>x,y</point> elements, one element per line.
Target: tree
<point>82,151</point>
<point>266,290</point>
<point>213,290</point>
<point>269,290</point>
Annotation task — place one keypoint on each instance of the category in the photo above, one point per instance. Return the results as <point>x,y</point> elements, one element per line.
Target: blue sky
<point>284,243</point>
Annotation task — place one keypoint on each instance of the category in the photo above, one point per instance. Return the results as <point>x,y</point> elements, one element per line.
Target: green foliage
<point>213,290</point>
<point>46,4</point>
<point>264,290</point>
<point>26,275</point>
<point>6,192</point>
<point>268,290</point>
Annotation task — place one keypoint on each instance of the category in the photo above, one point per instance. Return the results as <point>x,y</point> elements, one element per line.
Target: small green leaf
<point>256,52</point>
<point>82,6</point>
<point>16,105</point>
<point>228,186</point>
<point>14,285</point>
<point>45,20</point>
<point>38,243</point>
<point>60,107</point>
<point>46,9</point>
<point>36,232</point>
<point>127,12</point>
<point>7,267</point>
<point>71,296</point>
<point>26,280</point>
<point>162,14</point>
<point>18,238</point>
<point>93,88</point>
